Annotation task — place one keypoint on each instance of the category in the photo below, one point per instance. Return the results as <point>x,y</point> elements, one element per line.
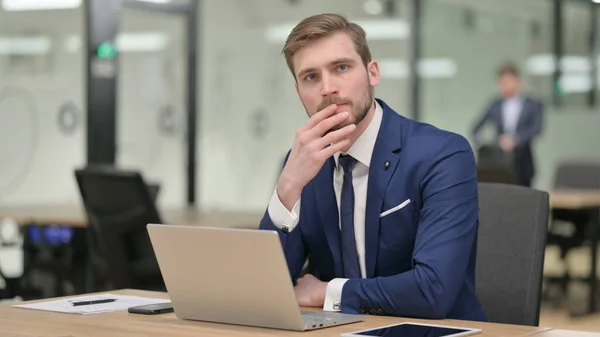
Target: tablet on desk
<point>409,329</point>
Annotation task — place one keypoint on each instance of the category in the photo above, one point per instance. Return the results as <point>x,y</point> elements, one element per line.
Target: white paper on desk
<point>66,305</point>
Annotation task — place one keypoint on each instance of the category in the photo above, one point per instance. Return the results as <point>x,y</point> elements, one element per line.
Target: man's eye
<point>310,77</point>
<point>343,67</point>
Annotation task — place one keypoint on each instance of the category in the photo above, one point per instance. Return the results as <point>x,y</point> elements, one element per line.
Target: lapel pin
<point>387,164</point>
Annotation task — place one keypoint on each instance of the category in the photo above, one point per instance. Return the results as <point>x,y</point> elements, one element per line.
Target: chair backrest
<point>495,174</point>
<point>513,222</point>
<point>153,190</point>
<point>495,166</point>
<point>494,154</point>
<point>119,205</point>
<point>577,174</point>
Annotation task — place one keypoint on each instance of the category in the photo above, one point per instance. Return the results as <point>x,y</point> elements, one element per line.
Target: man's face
<point>330,71</point>
<point>509,85</point>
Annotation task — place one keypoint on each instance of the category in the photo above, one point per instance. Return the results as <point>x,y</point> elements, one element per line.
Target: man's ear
<point>374,75</point>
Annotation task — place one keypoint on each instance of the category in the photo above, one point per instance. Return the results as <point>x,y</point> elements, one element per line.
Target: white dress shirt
<point>361,150</point>
<point>511,111</point>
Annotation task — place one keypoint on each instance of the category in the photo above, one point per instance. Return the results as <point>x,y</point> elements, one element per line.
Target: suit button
<point>380,311</point>
<point>373,312</point>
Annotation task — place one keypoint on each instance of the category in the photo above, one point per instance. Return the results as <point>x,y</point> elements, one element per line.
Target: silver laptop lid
<point>232,276</point>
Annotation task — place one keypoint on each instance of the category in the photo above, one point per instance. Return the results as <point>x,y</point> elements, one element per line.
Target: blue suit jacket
<point>420,261</point>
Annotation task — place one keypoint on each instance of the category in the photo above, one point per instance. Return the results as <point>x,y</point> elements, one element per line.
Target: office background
<point>248,109</point>
<point>438,62</point>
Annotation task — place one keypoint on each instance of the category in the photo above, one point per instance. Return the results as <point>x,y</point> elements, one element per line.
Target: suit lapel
<point>328,210</point>
<point>383,165</point>
<point>500,112</point>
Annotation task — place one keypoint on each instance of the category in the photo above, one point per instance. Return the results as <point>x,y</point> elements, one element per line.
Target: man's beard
<point>358,111</point>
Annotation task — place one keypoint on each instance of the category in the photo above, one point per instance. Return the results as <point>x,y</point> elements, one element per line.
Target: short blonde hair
<point>322,25</point>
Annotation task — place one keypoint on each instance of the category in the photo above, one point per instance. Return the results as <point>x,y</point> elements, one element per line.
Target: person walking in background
<point>518,120</point>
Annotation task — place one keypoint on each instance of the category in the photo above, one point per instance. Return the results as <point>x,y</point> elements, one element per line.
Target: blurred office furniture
<point>495,165</point>
<point>75,217</point>
<point>11,257</point>
<point>48,252</point>
<point>510,252</point>
<point>35,261</point>
<point>574,226</point>
<point>153,188</point>
<point>119,205</point>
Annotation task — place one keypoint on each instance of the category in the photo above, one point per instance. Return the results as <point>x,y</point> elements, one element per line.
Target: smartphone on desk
<point>152,309</point>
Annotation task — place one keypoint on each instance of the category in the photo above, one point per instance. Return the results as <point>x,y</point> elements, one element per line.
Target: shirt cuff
<point>280,216</point>
<point>333,297</point>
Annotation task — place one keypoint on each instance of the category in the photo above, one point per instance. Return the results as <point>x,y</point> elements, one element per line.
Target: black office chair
<point>513,221</point>
<point>572,174</point>
<point>495,166</point>
<point>119,205</point>
<point>153,189</point>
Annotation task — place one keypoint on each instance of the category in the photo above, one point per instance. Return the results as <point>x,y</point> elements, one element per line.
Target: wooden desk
<point>583,200</point>
<point>575,199</point>
<point>565,333</point>
<point>73,215</point>
<point>25,322</point>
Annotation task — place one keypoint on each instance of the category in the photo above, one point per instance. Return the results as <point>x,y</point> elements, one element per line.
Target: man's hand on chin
<point>310,291</point>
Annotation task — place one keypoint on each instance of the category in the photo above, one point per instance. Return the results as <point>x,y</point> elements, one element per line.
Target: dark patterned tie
<point>350,257</point>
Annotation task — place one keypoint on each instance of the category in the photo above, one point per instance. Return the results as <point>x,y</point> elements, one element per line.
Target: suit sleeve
<point>480,123</point>
<point>445,237</point>
<point>534,128</point>
<point>291,240</point>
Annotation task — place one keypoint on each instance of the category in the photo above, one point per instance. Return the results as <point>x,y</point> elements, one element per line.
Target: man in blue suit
<point>517,119</point>
<point>385,206</point>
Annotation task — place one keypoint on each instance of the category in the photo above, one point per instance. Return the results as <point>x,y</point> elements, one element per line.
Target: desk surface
<point>74,215</point>
<point>575,199</point>
<point>566,333</point>
<point>26,322</point>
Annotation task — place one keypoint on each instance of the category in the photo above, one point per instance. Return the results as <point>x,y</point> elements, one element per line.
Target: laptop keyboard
<point>317,319</point>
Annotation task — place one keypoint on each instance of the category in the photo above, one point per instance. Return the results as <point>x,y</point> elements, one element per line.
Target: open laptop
<point>232,276</point>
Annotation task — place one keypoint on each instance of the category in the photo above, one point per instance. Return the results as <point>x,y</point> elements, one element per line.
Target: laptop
<point>233,276</point>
